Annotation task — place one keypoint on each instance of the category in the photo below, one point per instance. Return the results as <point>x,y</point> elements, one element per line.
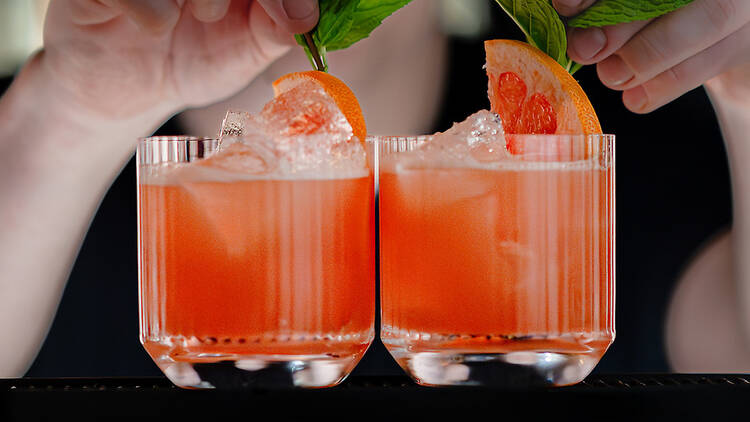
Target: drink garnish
<point>612,12</point>
<point>306,104</point>
<point>336,89</point>
<point>318,61</point>
<point>533,94</point>
<point>343,23</point>
<point>545,30</point>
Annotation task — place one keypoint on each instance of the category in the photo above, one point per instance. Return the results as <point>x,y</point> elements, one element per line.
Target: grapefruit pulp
<point>533,94</point>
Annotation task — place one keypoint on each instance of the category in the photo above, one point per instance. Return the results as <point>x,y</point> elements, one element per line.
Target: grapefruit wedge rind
<point>546,82</point>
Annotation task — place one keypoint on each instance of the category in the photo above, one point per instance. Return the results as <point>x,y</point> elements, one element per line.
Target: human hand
<point>655,61</point>
<point>121,58</point>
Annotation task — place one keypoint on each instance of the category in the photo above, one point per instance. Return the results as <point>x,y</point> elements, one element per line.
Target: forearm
<point>733,111</point>
<point>56,162</point>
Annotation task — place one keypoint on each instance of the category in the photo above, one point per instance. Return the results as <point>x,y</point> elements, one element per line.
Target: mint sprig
<point>613,12</point>
<point>542,27</point>
<point>545,30</point>
<point>344,22</point>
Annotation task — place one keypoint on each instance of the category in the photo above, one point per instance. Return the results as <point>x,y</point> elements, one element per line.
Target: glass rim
<point>389,138</point>
<point>176,138</point>
<point>370,138</point>
<point>527,148</point>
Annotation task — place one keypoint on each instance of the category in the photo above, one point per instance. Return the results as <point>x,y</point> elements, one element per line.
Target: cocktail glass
<point>500,272</point>
<point>249,280</point>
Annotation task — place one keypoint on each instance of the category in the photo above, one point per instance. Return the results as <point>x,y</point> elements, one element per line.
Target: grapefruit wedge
<point>313,118</point>
<point>533,94</point>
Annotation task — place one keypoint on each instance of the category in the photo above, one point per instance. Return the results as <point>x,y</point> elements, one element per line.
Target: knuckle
<point>643,53</point>
<point>675,76</point>
<point>720,13</point>
<point>650,97</point>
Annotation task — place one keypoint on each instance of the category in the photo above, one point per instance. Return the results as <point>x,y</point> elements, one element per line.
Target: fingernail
<point>570,3</point>
<point>153,17</point>
<point>587,43</point>
<point>635,99</point>
<point>209,11</point>
<point>568,7</point>
<point>614,72</point>
<point>298,9</point>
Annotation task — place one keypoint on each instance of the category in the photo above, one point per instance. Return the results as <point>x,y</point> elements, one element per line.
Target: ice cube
<point>233,123</point>
<point>305,109</point>
<point>248,154</point>
<point>481,127</point>
<point>480,137</point>
<point>300,132</point>
<point>240,123</point>
<point>315,155</point>
<point>476,141</point>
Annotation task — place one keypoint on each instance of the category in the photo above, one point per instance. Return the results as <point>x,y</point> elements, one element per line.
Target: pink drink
<point>510,266</point>
<point>273,278</point>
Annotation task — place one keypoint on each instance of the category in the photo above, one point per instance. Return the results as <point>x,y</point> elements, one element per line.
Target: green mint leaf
<point>541,24</point>
<point>336,20</point>
<point>344,22</point>
<point>368,15</point>
<point>612,12</point>
<point>542,27</point>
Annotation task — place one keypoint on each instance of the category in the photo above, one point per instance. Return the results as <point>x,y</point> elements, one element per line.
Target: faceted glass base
<point>235,368</point>
<point>261,372</point>
<point>500,362</point>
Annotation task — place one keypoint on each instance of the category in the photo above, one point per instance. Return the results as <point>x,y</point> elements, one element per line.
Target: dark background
<point>672,195</point>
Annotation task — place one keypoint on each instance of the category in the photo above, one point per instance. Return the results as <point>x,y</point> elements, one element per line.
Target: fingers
<point>656,61</point>
<point>592,45</point>
<point>295,16</point>
<point>154,16</point>
<point>671,40</point>
<point>689,74</point>
<point>209,10</point>
<point>90,12</point>
<point>571,7</point>
<point>159,16</point>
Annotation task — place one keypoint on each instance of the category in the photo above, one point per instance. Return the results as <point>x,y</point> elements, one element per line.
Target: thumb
<point>295,16</point>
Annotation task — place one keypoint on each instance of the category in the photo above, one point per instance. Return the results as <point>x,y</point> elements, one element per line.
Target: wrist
<point>100,105</point>
<point>48,127</point>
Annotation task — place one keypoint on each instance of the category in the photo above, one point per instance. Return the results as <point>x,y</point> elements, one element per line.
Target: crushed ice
<point>478,140</point>
<point>301,133</point>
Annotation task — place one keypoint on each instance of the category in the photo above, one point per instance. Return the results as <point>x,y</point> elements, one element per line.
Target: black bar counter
<point>633,397</point>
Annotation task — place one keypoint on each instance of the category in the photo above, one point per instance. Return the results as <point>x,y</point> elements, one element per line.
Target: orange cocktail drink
<point>240,273</point>
<point>506,264</point>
